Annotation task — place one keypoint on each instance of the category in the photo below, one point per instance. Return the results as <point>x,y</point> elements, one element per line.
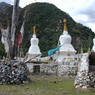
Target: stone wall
<point>57,69</point>
<point>67,69</point>
<point>68,65</point>
<point>44,68</point>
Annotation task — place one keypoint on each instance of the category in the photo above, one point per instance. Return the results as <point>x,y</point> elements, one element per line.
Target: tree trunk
<point>13,27</point>
<point>8,35</point>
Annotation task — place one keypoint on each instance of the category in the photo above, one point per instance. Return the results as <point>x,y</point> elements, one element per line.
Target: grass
<point>44,85</point>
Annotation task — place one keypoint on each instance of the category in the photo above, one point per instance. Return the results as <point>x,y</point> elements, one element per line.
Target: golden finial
<point>65,24</point>
<point>34,29</point>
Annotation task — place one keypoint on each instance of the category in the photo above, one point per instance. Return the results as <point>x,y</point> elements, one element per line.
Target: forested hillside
<point>48,20</point>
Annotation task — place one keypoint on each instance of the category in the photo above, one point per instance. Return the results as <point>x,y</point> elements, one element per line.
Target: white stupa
<point>66,56</point>
<point>65,42</point>
<point>93,48</point>
<point>34,50</point>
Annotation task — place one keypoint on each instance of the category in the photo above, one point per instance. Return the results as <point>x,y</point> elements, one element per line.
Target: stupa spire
<point>65,24</point>
<point>34,30</point>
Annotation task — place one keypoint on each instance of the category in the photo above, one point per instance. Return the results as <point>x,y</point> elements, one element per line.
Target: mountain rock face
<point>48,20</point>
<point>5,13</point>
<point>3,6</point>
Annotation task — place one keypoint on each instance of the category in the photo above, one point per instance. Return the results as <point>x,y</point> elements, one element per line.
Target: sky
<point>82,11</point>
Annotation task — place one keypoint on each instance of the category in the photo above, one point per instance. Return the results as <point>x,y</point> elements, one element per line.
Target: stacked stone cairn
<point>85,81</point>
<point>12,72</point>
<point>85,78</point>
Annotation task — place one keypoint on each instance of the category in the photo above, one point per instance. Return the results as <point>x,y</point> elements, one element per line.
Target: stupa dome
<point>34,40</point>
<point>34,48</point>
<point>65,40</point>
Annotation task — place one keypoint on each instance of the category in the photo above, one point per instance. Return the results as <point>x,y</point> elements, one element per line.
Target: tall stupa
<point>34,50</point>
<point>65,42</point>
<point>67,54</point>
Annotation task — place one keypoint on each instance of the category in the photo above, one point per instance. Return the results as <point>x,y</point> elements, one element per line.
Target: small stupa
<point>34,50</point>
<point>65,42</point>
<point>93,48</point>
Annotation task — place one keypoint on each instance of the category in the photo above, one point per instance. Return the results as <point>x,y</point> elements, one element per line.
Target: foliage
<point>2,51</point>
